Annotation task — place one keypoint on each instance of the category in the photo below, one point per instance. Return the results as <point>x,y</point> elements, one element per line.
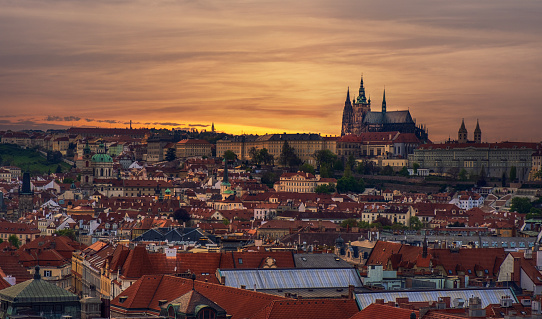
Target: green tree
<point>538,175</point>
<point>171,154</point>
<point>288,156</point>
<point>351,162</point>
<point>481,182</point>
<point>503,179</point>
<point>387,171</point>
<point>254,155</point>
<point>58,169</point>
<point>14,241</point>
<point>265,157</point>
<point>338,166</point>
<point>349,183</point>
<point>70,233</point>
<point>534,213</point>
<point>307,168</point>
<point>415,166</point>
<point>513,174</point>
<point>521,205</point>
<point>415,223</point>
<point>324,157</point>
<point>182,215</point>
<point>404,172</point>
<point>463,174</point>
<point>325,189</point>
<point>349,223</point>
<point>226,221</point>
<point>230,155</point>
<point>269,179</point>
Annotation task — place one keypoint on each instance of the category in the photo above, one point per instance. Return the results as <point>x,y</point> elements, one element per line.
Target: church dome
<point>102,158</point>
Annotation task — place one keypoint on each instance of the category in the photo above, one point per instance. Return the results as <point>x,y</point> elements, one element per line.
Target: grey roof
<point>392,117</point>
<point>36,290</point>
<point>319,261</point>
<point>487,295</point>
<point>291,278</point>
<point>186,234</point>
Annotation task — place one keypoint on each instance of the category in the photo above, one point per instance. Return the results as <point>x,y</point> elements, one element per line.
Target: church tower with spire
<point>477,133</point>
<point>462,133</point>
<point>348,115</point>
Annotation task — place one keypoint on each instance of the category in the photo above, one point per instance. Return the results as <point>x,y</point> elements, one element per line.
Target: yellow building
<point>304,145</point>
<point>300,182</point>
<point>193,148</point>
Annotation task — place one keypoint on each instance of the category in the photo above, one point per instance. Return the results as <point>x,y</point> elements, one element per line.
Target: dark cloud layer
<point>264,66</point>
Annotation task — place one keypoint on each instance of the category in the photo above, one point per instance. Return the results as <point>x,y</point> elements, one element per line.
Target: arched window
<point>86,164</point>
<point>101,172</point>
<point>86,179</point>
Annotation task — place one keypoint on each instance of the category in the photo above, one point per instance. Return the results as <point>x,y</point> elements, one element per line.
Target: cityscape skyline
<point>271,67</point>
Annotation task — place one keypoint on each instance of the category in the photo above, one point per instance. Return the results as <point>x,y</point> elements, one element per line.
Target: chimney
<point>350,291</point>
<point>379,301</point>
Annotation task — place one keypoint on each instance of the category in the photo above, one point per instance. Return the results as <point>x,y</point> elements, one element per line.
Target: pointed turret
<point>462,133</point>
<point>477,133</point>
<point>384,102</point>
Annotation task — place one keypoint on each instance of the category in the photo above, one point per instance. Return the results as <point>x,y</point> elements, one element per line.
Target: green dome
<point>168,191</point>
<point>102,158</point>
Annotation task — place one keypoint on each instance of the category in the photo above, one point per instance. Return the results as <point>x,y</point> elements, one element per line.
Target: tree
<point>254,155</point>
<point>324,157</point>
<point>349,223</point>
<point>58,169</point>
<point>307,168</point>
<point>339,166</point>
<point>14,241</point>
<point>269,179</point>
<point>503,179</point>
<point>288,156</point>
<point>171,154</point>
<point>349,183</point>
<point>266,157</point>
<point>534,213</point>
<point>415,223</point>
<point>415,166</point>
<point>463,174</point>
<point>230,155</point>
<point>325,189</point>
<point>387,171</point>
<point>481,182</point>
<point>521,205</point>
<point>181,215</point>
<point>351,162</point>
<point>384,221</point>
<point>404,172</point>
<point>513,174</point>
<point>70,233</point>
<point>538,175</point>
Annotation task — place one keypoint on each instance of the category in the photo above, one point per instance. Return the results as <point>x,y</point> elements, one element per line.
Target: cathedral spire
<point>347,96</point>
<point>462,133</point>
<point>348,114</point>
<point>384,102</point>
<point>361,97</point>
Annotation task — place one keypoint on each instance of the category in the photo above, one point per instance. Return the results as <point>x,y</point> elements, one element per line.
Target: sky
<point>271,66</point>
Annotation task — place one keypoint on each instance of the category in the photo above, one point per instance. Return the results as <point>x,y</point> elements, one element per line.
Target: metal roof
<point>291,278</point>
<point>487,295</point>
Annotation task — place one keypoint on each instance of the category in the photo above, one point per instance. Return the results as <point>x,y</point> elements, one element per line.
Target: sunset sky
<point>258,66</point>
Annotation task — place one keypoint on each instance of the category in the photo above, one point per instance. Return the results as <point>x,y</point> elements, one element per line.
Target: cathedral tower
<point>477,133</point>
<point>462,133</point>
<point>348,116</point>
<point>26,197</point>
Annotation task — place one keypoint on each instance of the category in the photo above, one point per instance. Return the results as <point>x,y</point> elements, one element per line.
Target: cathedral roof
<point>392,117</point>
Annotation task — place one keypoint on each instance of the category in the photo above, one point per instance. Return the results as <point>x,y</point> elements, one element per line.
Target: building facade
<point>495,159</point>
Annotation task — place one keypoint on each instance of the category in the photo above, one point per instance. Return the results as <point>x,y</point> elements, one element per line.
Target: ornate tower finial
<point>361,96</point>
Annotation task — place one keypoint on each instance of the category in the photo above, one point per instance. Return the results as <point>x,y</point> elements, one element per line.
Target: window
<point>206,313</point>
<point>240,261</point>
<point>47,273</point>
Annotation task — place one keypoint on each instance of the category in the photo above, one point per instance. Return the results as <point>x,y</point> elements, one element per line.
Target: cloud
<point>198,125</point>
<point>166,123</point>
<point>71,118</point>
<point>53,118</point>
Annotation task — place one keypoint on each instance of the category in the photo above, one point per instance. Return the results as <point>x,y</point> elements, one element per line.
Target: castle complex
<point>358,118</point>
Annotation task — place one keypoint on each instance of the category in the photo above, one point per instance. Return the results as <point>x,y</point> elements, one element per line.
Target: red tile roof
<point>145,294</point>
<point>379,311</point>
<point>308,309</point>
